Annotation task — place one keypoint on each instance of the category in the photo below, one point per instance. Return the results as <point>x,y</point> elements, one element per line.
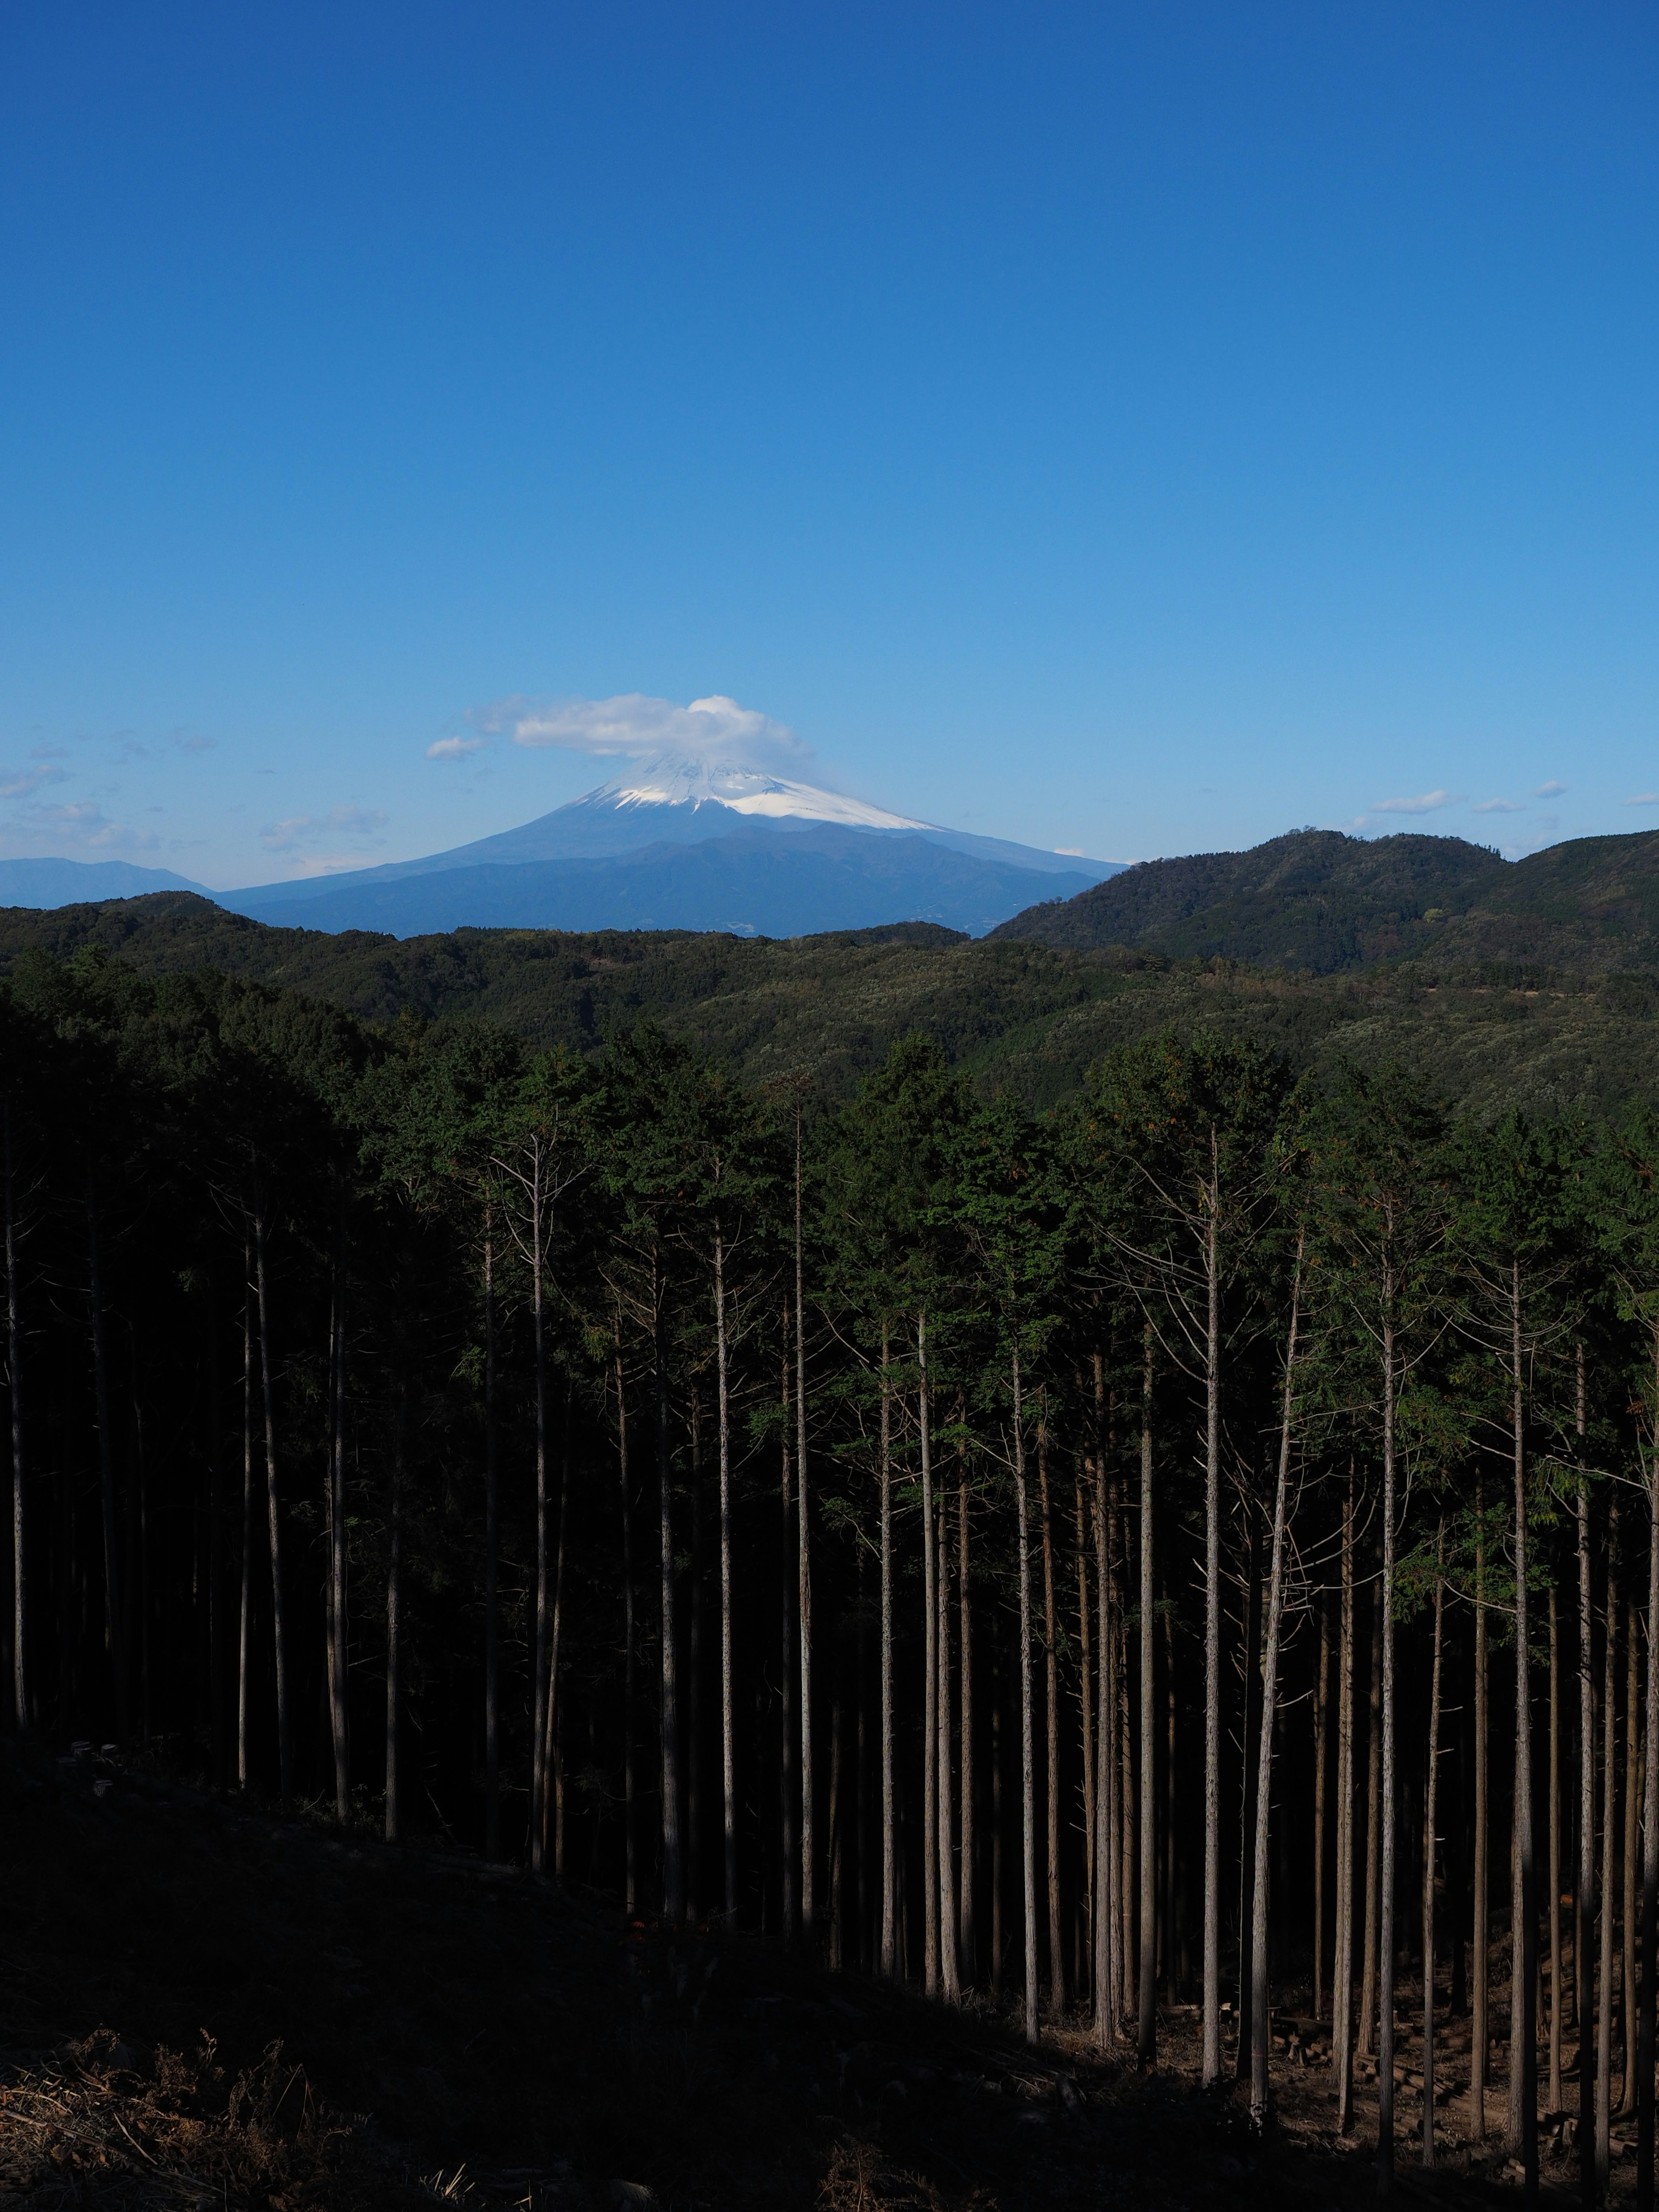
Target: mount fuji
<point>678,841</point>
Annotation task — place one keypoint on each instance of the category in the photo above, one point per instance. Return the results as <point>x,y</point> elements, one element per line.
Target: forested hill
<point>1320,901</point>
<point>1027,1018</point>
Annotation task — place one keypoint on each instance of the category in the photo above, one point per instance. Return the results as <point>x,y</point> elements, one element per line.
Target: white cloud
<point>454,748</point>
<point>632,726</point>
<point>1643,798</point>
<point>297,831</point>
<point>1498,806</point>
<point>18,783</point>
<point>1429,802</point>
<point>1549,791</point>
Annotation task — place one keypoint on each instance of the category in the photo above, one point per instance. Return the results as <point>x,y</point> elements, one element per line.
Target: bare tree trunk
<point>1147,2024</point>
<point>673,1871</point>
<point>538,1648</point>
<point>631,1821</point>
<point>1051,1684</point>
<point>1479,2031</point>
<point>1633,1781</point>
<point>278,1621</point>
<point>930,1679</point>
<point>789,1875</point>
<point>1111,1832</point>
<point>965,1723</point>
<point>1249,1762</point>
<point>245,1606</point>
<point>1555,1855</point>
<point>1431,1795</point>
<point>889,1852</point>
<point>1085,1707</point>
<point>19,1684</point>
<point>1321,1726</point>
<point>1027,1767</point>
<point>394,1586</point>
<point>492,1566</point>
<point>115,1635</point>
<point>1523,2047</point>
<point>1645,2047</point>
<point>1258,2019</point>
<point>1585,1904</point>
<point>1128,1986</point>
<point>1609,1823</point>
<point>1373,1832</point>
<point>1342,1994</point>
<point>728,1756</point>
<point>947,1871</point>
<point>804,1602</point>
<point>1212,1639</point>
<point>1385,1917</point>
<point>338,1625</point>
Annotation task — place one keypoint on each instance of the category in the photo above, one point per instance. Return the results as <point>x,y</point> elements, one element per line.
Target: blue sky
<point>1133,429</point>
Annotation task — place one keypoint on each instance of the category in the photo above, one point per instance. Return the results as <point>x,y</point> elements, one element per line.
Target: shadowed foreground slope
<point>206,2005</point>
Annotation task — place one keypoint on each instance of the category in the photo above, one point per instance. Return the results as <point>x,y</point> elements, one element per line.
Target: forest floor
<point>203,2004</point>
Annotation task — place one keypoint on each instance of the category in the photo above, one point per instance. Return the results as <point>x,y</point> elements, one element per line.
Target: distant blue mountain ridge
<point>672,843</point>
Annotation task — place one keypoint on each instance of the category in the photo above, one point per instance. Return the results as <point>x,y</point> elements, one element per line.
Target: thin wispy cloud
<point>1427,802</point>
<point>1496,806</point>
<point>455,749</point>
<point>1643,798</point>
<point>20,782</point>
<point>633,726</point>
<point>1549,791</point>
<point>296,833</point>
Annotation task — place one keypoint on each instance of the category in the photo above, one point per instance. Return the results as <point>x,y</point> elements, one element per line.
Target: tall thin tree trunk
<point>20,1681</point>
<point>1555,1853</point>
<point>1633,1780</point>
<point>1027,1768</point>
<point>338,1619</point>
<point>1523,1974</point>
<point>278,1617</point>
<point>1106,2020</point>
<point>803,1605</point>
<point>1322,1729</point>
<point>889,1850</point>
<point>1051,1688</point>
<point>673,1871</point>
<point>1213,1634</point>
<point>1385,1917</point>
<point>1479,1990</point>
<point>1366,2043</point>
<point>245,1606</point>
<point>949,1962</point>
<point>538,1648</point>
<point>1609,1825</point>
<point>1251,1778</point>
<point>1085,1714</point>
<point>1342,1964</point>
<point>1147,2024</point>
<point>728,1757</point>
<point>1431,1797</point>
<point>1645,2046</point>
<point>492,1566</point>
<point>789,1593</point>
<point>115,1637</point>
<point>394,1592</point>
<point>966,1725</point>
<point>1585,1905</point>
<point>929,1680</point>
<point>631,1815</point>
<point>1260,2042</point>
<point>1111,1827</point>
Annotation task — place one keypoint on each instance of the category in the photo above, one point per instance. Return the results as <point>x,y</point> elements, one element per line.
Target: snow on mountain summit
<point>683,780</point>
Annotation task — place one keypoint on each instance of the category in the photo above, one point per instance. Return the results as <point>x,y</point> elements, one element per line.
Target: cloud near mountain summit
<point>632,726</point>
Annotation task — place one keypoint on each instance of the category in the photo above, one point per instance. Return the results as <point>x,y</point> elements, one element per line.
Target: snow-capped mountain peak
<point>683,780</point>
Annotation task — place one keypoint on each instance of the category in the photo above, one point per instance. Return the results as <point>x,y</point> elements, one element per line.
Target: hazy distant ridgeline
<point>1026,1017</point>
<point>1318,900</point>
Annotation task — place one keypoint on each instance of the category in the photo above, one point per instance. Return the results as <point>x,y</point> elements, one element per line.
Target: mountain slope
<point>752,881</point>
<point>69,882</point>
<point>1321,901</point>
<point>806,860</point>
